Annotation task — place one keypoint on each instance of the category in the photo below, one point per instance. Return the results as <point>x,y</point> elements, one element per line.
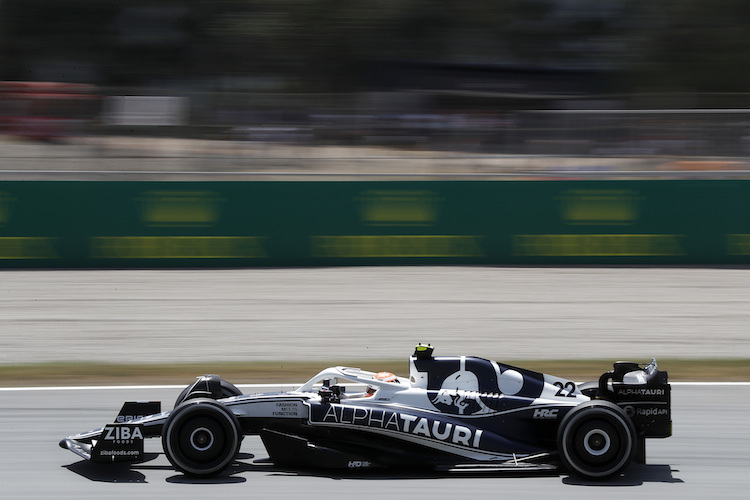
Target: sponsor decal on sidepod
<point>401,422</point>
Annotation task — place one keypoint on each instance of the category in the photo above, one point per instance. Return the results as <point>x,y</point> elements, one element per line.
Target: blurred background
<point>601,86</point>
<point>542,89</point>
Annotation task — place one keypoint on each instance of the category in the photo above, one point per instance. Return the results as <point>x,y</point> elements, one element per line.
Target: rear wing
<point>644,393</point>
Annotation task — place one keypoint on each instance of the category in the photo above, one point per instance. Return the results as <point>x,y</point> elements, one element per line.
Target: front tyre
<point>596,440</point>
<point>201,437</point>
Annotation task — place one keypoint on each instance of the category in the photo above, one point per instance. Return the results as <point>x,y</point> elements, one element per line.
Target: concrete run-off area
<point>372,313</point>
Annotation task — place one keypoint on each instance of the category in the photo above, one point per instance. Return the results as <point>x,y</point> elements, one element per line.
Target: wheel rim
<point>201,439</point>
<point>596,442</point>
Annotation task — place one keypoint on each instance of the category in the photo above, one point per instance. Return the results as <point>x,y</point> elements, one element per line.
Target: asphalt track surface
<point>367,313</point>
<point>370,313</point>
<point>707,457</point>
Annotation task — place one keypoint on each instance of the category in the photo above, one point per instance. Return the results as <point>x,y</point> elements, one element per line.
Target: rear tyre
<point>596,440</point>
<point>201,437</point>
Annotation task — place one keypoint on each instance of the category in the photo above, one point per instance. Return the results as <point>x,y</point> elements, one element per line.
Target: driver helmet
<point>383,376</point>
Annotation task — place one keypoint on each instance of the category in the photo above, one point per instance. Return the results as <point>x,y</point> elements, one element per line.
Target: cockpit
<point>337,383</point>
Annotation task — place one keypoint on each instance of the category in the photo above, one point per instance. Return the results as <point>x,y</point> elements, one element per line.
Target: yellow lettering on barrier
<point>597,245</point>
<point>179,208</point>
<point>599,207</point>
<point>178,247</point>
<point>21,247</point>
<point>738,244</point>
<point>399,208</point>
<point>6,200</point>
<point>390,246</point>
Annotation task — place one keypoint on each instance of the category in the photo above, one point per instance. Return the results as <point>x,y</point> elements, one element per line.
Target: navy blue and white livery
<point>452,413</point>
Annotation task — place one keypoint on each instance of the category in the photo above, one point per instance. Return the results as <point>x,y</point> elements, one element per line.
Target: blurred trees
<point>322,45</point>
<point>694,45</point>
<point>323,42</point>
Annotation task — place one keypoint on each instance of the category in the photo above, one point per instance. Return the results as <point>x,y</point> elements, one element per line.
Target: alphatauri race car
<point>452,413</point>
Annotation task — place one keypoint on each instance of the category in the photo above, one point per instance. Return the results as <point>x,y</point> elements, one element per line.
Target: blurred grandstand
<point>534,87</point>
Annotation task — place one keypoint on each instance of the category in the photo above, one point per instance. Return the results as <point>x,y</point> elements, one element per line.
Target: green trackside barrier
<point>239,224</point>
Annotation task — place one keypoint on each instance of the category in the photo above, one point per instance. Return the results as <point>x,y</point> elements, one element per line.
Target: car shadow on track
<point>110,473</point>
<point>135,472</point>
<point>266,467</point>
<point>635,475</point>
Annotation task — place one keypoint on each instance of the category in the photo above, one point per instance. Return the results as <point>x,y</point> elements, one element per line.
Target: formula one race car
<point>452,413</point>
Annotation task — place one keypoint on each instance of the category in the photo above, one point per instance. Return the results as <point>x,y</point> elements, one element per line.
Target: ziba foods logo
<point>122,434</point>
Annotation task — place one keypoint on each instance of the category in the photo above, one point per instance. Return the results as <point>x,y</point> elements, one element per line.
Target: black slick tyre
<point>596,440</point>
<point>201,437</point>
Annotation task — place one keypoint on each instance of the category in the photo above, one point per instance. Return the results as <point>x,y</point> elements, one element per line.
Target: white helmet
<point>384,377</point>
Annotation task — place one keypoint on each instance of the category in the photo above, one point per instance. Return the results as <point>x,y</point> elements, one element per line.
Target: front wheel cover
<point>596,440</point>
<point>201,437</point>
<point>227,390</point>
